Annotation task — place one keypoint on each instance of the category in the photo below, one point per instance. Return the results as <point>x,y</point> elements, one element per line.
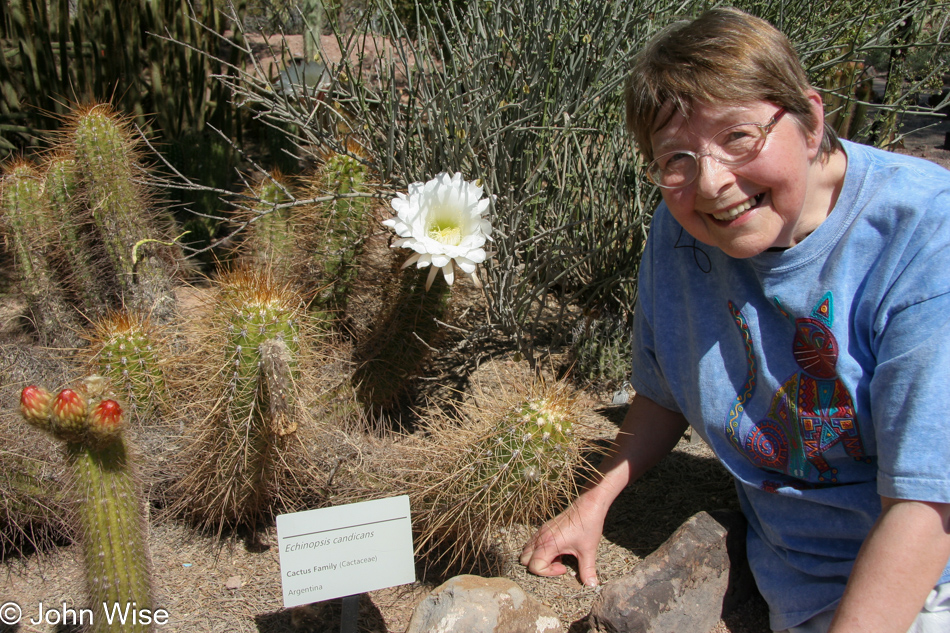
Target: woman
<point>794,308</point>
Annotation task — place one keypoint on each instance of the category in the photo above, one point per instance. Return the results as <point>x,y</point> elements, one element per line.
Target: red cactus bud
<point>35,405</point>
<point>69,411</point>
<point>106,419</point>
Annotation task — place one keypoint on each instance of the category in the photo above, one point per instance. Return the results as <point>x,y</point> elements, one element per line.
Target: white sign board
<point>345,550</point>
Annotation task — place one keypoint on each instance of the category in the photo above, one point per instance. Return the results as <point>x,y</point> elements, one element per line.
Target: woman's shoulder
<point>882,162</point>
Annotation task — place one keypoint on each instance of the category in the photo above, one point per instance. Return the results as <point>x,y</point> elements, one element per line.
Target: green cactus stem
<point>244,434</point>
<point>333,233</point>
<point>28,223</point>
<point>108,497</point>
<point>125,348</point>
<point>263,335</point>
<point>76,259</point>
<point>270,236</point>
<point>118,205</point>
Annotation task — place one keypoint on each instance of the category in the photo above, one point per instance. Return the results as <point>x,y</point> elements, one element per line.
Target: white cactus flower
<point>442,221</point>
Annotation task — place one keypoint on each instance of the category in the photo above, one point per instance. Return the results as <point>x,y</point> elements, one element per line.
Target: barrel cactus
<point>513,459</point>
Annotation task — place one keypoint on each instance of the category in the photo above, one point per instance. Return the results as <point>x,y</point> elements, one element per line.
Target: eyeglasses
<point>734,146</point>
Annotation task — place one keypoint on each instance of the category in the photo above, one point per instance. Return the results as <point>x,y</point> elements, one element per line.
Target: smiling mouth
<point>739,209</point>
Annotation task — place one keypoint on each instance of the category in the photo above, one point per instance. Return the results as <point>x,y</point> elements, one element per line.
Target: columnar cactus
<point>108,497</point>
<point>332,233</point>
<point>78,260</point>
<point>270,236</point>
<point>107,162</point>
<point>28,224</point>
<point>255,408</point>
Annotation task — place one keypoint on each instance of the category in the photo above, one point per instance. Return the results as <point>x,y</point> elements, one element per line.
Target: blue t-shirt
<point>819,375</point>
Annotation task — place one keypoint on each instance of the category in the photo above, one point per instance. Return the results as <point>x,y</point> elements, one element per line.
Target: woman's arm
<point>900,561</point>
<point>649,432</point>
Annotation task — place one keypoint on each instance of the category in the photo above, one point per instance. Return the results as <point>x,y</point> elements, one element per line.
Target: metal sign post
<point>350,615</point>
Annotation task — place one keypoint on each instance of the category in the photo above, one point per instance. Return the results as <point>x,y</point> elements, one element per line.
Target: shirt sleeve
<point>910,402</point>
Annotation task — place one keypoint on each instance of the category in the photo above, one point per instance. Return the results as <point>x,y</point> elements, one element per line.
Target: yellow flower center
<point>445,232</point>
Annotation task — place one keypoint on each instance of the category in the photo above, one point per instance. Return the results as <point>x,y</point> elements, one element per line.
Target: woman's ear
<point>814,136</point>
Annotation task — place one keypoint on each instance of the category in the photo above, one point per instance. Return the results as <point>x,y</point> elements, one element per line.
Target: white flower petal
<point>467,265</point>
<point>440,260</point>
<point>442,220</point>
<point>449,272</point>
<point>431,277</point>
<point>412,260</point>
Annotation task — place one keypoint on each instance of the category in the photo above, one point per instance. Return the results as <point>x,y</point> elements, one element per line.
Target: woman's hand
<point>575,532</point>
<point>649,432</point>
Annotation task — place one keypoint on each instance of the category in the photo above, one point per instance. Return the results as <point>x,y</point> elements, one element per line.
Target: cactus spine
<point>109,510</point>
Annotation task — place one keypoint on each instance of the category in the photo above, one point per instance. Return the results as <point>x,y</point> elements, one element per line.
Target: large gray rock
<point>472,604</point>
<point>687,584</point>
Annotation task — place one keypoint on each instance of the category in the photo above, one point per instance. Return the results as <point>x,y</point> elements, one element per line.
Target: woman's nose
<point>713,178</point>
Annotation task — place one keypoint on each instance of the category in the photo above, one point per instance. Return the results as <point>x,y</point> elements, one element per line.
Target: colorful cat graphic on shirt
<point>810,413</point>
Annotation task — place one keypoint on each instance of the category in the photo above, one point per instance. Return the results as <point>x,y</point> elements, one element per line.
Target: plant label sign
<point>345,550</point>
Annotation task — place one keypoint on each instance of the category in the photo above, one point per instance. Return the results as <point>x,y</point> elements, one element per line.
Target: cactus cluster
<point>108,502</point>
<point>89,49</point>
<point>250,409</point>
<point>84,235</point>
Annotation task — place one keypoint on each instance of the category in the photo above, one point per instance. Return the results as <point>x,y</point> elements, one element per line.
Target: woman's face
<point>774,200</point>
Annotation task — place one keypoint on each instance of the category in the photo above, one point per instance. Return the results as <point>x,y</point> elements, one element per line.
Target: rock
<point>472,604</point>
<point>698,575</point>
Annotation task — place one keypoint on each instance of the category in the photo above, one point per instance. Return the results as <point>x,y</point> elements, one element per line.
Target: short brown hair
<point>724,56</point>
